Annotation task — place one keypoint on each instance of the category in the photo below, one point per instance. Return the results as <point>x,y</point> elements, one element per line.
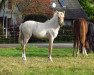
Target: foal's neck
<point>54,20</point>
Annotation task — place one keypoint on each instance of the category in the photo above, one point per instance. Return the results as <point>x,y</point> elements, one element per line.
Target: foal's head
<point>61,18</point>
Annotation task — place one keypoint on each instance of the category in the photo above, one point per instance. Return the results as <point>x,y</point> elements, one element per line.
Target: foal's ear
<point>56,11</point>
<point>64,12</point>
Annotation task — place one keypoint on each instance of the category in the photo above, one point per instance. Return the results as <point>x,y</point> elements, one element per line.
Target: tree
<point>88,6</point>
<point>2,3</point>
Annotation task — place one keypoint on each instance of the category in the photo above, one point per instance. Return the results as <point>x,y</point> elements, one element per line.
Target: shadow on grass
<point>36,52</point>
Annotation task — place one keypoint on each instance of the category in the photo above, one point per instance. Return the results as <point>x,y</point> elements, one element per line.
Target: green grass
<point>37,62</point>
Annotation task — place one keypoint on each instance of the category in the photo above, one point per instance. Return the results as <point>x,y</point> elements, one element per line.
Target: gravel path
<point>56,45</point>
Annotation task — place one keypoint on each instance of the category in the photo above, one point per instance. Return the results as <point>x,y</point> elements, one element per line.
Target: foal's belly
<point>40,34</point>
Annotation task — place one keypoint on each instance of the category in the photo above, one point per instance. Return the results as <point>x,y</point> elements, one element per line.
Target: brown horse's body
<point>80,32</point>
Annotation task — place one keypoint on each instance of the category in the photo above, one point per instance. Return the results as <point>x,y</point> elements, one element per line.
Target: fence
<point>65,35</point>
<point>9,35</point>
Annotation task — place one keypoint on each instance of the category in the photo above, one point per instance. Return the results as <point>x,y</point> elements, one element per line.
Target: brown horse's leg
<point>78,44</point>
<point>74,46</point>
<point>84,52</point>
<point>89,40</point>
<point>87,46</point>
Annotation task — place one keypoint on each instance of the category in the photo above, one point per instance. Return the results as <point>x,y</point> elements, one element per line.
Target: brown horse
<point>80,32</point>
<point>90,36</point>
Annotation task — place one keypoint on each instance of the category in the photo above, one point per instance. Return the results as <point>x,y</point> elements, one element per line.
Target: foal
<point>80,33</point>
<point>48,30</point>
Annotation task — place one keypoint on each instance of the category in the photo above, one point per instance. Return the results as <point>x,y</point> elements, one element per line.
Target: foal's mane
<point>53,17</point>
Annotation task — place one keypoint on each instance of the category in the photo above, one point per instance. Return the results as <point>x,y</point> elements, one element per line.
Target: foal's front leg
<point>50,48</point>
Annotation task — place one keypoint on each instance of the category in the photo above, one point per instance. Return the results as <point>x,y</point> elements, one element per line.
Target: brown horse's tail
<point>83,30</point>
<point>20,34</point>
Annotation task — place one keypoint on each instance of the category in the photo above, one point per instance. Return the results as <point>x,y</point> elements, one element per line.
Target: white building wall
<point>7,12</point>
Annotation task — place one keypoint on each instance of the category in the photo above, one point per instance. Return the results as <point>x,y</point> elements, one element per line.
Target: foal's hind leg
<point>25,40</point>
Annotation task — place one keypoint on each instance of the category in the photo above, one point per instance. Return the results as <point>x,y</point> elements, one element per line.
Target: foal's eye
<point>60,13</point>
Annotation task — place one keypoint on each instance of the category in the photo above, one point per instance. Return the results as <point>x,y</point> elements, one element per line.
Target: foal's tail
<point>20,34</point>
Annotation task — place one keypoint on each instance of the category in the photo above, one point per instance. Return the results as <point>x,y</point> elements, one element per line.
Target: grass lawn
<point>37,62</point>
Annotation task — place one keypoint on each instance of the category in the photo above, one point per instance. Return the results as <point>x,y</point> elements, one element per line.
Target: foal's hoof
<point>50,59</point>
<point>24,60</point>
<point>86,54</point>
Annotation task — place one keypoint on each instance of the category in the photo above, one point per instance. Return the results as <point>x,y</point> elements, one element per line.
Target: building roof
<point>73,8</point>
<point>35,7</point>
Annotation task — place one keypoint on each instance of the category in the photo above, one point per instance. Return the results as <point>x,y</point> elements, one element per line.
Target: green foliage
<point>65,34</point>
<point>88,5</point>
<point>8,40</point>
<point>1,3</point>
